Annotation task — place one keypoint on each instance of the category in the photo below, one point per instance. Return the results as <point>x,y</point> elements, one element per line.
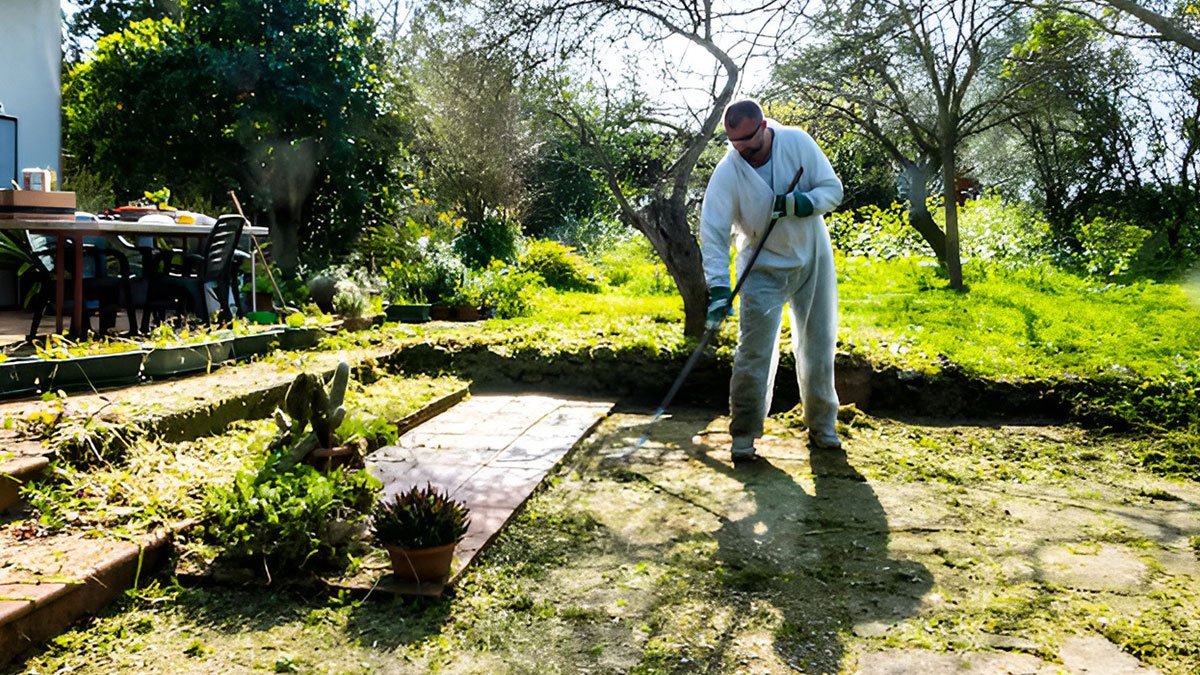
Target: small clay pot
<point>422,565</point>
<point>467,313</point>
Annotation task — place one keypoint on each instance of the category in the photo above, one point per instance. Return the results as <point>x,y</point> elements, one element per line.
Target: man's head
<point>747,131</point>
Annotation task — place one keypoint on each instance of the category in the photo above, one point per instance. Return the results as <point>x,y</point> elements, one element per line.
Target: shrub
<point>591,235</point>
<point>559,266</point>
<point>634,268</point>
<point>995,231</point>
<point>402,284</point>
<point>989,230</point>
<point>509,290</point>
<point>280,515</point>
<point>494,238</point>
<point>434,274</point>
<point>875,232</point>
<point>1109,245</point>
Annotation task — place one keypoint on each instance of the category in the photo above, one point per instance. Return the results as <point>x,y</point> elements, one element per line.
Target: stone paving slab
<point>491,452</point>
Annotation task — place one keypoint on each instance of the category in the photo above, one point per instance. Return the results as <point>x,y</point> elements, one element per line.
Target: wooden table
<point>76,230</point>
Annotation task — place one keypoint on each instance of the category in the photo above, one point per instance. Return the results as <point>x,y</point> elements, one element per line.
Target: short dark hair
<point>736,112</point>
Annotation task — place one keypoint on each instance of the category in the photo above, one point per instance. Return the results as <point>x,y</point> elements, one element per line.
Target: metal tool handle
<point>267,266</point>
<point>709,332</point>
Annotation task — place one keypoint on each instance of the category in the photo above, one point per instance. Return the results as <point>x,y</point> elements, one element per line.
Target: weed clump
<point>287,517</point>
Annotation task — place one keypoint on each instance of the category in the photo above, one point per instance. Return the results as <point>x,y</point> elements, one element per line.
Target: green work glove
<point>794,204</point>
<point>720,302</point>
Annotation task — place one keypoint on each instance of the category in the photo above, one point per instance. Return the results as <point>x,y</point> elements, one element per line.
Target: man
<point>749,187</point>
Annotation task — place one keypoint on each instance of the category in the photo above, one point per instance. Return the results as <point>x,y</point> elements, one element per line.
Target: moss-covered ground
<point>1006,544</point>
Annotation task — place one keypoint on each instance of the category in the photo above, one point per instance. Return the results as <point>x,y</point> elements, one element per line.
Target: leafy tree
<point>865,168</point>
<point>1112,127</point>
<point>656,101</point>
<point>1073,119</point>
<point>94,19</point>
<point>561,183</point>
<point>276,99</point>
<point>921,77</point>
<point>472,132</point>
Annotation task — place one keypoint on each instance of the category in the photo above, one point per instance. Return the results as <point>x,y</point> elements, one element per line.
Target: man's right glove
<point>792,204</point>
<point>719,300</point>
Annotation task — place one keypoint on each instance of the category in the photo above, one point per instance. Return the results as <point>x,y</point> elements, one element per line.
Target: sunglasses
<point>747,138</point>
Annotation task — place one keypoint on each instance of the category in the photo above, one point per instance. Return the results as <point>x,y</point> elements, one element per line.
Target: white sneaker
<point>743,453</point>
<point>825,441</point>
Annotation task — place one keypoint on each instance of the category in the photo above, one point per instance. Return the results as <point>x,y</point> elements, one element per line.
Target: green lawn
<point>1017,323</point>
<point>1010,323</point>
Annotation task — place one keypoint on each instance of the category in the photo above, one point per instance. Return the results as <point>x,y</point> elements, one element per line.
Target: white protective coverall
<point>794,268</point>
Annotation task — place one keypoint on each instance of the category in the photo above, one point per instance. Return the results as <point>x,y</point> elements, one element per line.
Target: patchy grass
<point>674,561</point>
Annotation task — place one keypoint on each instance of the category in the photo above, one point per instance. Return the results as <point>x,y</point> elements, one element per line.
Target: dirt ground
<point>925,547</point>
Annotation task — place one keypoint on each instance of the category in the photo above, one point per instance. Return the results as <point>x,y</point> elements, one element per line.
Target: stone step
<point>175,410</point>
<point>48,582</point>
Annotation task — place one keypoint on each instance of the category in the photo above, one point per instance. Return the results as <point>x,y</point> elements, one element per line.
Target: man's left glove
<point>792,204</point>
<point>719,300</point>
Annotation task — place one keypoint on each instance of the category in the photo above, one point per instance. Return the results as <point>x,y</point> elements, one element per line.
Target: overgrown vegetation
<point>287,516</point>
<point>109,475</point>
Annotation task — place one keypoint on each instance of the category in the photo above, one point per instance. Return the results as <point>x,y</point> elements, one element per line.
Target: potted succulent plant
<point>420,528</point>
<point>358,309</point>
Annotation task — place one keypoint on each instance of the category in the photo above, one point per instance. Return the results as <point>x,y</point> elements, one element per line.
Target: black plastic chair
<point>205,275</point>
<point>103,293</point>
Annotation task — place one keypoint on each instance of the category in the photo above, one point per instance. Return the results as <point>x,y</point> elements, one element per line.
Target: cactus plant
<point>308,404</point>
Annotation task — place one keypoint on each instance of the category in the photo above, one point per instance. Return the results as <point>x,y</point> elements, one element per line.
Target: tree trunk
<point>285,244</point>
<point>953,260</point>
<point>917,175</point>
<point>664,222</point>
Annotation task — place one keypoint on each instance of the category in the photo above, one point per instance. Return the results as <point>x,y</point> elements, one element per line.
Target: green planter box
<point>182,359</point>
<point>408,313</point>
<point>245,346</point>
<point>102,370</point>
<point>23,376</point>
<point>299,338</point>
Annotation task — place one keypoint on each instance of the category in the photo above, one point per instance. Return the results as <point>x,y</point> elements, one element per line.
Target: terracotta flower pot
<point>467,313</point>
<point>422,565</point>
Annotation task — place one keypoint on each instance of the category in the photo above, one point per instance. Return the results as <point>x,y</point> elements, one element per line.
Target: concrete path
<point>490,451</point>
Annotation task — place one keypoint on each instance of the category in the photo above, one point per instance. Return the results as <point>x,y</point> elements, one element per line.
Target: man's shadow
<point>821,559</point>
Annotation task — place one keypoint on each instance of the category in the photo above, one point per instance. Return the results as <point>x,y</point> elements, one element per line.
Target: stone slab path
<point>490,452</point>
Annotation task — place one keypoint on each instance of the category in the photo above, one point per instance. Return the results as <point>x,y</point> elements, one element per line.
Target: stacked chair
<point>203,284</point>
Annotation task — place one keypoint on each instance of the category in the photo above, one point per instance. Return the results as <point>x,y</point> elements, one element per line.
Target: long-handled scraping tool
<point>712,329</point>
<point>267,266</point>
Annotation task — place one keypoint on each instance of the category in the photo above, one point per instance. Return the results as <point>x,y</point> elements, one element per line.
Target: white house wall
<point>31,54</point>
